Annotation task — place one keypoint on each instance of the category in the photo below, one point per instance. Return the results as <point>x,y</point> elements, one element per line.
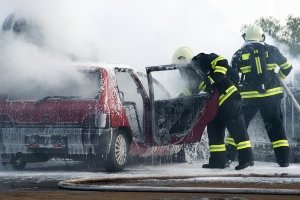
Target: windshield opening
<point>171,81</point>
<point>160,91</point>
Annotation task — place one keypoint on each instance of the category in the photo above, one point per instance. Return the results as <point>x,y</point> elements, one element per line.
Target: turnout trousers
<point>229,116</point>
<point>273,120</point>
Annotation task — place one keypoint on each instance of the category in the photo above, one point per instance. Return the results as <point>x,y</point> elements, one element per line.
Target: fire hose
<point>289,93</point>
<point>116,184</point>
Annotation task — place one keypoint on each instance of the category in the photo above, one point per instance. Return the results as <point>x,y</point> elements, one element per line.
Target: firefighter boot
<point>217,160</point>
<point>282,155</point>
<point>246,158</point>
<point>244,165</point>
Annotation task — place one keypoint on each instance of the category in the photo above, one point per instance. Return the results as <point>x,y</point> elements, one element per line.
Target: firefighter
<point>182,58</point>
<point>216,74</point>
<point>260,89</point>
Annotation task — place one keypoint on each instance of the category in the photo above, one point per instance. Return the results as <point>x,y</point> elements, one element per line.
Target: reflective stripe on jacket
<point>218,76</point>
<point>241,63</point>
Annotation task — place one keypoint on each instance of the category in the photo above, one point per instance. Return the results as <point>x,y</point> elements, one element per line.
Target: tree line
<point>287,33</point>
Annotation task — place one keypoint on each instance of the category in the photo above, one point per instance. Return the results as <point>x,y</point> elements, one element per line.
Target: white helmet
<point>182,55</point>
<point>254,33</point>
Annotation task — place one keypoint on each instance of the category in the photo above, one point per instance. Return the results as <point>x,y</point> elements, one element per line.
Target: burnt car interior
<point>176,116</point>
<point>172,117</point>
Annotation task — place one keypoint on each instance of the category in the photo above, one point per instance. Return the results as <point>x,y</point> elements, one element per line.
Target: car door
<point>133,100</point>
<point>174,118</point>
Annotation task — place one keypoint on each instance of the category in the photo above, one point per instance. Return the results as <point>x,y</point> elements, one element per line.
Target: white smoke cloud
<point>136,32</point>
<point>139,33</point>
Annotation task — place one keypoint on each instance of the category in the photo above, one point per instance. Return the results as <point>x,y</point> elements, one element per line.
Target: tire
<point>118,155</point>
<point>18,162</point>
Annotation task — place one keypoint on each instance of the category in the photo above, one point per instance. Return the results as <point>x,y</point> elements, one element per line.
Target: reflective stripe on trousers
<point>217,148</point>
<point>280,143</point>
<point>244,145</point>
<point>230,141</point>
<point>240,145</point>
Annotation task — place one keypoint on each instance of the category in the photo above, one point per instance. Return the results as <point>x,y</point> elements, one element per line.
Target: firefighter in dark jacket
<point>261,90</point>
<point>216,74</point>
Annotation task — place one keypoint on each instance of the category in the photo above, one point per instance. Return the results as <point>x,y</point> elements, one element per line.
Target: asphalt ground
<point>40,181</point>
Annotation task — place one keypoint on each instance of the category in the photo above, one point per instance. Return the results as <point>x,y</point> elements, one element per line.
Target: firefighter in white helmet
<point>260,89</point>
<point>182,58</point>
<point>182,55</point>
<point>254,33</point>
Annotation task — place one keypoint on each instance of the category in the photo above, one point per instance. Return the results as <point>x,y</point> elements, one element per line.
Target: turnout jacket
<point>220,75</point>
<point>241,63</point>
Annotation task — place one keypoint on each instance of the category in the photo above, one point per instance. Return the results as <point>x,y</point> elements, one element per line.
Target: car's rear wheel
<point>118,155</point>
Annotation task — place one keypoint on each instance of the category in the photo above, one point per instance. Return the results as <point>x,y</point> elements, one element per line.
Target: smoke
<point>138,33</point>
<point>293,77</point>
<point>62,32</point>
<point>37,61</point>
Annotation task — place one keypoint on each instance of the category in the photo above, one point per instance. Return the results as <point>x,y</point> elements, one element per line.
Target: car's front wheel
<point>118,155</point>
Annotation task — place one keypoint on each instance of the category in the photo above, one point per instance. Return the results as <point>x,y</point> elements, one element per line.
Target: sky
<point>144,32</point>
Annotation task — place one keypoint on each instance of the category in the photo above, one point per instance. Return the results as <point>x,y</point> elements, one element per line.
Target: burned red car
<point>114,114</point>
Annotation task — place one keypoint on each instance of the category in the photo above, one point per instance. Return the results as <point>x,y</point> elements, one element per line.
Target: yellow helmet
<point>182,55</point>
<point>254,33</point>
